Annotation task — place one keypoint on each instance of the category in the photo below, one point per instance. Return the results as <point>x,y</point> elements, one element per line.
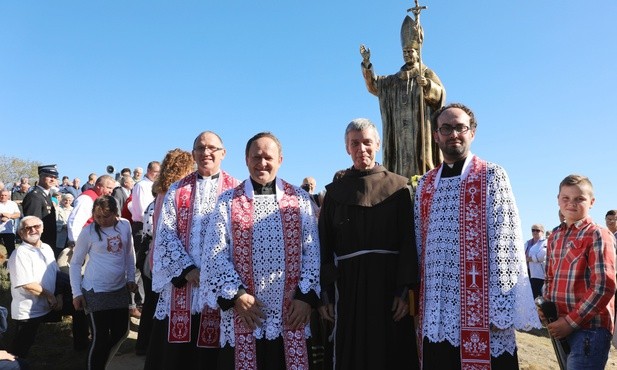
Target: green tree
<point>12,169</point>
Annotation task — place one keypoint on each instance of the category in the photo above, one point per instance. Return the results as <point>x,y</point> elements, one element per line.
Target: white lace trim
<point>511,304</point>
<point>170,256</point>
<point>219,278</point>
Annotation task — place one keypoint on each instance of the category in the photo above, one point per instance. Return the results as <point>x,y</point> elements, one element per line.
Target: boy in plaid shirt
<point>580,277</point>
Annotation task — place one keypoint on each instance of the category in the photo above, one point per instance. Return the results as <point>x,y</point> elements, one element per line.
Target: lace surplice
<point>510,300</point>
<point>170,255</point>
<point>222,280</point>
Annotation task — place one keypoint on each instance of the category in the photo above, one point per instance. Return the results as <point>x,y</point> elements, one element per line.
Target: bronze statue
<point>407,100</point>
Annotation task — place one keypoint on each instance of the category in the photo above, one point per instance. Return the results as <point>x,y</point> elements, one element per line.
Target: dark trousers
<point>172,356</point>
<point>137,231</point>
<point>25,331</point>
<point>138,298</point>
<point>320,349</point>
<point>8,240</point>
<point>147,317</point>
<point>536,287</point>
<point>109,329</point>
<point>443,355</point>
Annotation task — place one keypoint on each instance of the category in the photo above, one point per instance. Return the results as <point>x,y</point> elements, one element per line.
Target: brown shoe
<point>135,312</point>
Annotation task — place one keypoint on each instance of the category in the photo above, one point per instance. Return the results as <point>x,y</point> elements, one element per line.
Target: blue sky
<point>85,84</point>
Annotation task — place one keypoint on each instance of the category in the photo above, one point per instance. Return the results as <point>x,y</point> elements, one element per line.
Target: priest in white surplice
<point>467,225</point>
<point>263,265</point>
<point>183,335</point>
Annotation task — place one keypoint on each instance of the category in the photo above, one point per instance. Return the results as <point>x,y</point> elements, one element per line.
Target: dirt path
<point>535,352</point>
<point>126,359</point>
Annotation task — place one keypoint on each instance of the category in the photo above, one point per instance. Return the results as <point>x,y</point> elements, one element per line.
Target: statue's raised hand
<point>366,54</point>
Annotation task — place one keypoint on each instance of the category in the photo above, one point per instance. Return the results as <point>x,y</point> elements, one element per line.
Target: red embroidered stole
<point>474,274</point>
<point>242,212</point>
<point>179,330</point>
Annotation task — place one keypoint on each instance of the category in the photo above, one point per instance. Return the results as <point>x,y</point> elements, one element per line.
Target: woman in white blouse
<point>535,251</point>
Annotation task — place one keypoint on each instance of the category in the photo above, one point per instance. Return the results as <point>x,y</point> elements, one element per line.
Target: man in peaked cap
<point>38,203</point>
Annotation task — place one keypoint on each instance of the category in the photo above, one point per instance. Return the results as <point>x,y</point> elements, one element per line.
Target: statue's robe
<point>407,140</point>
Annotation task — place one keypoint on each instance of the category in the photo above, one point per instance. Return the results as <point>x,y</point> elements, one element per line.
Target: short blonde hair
<point>576,180</point>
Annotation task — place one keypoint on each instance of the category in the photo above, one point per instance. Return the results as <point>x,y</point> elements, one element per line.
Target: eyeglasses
<point>33,227</point>
<point>446,130</point>
<point>536,230</point>
<point>207,149</point>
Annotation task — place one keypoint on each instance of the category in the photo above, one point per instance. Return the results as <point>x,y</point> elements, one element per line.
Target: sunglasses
<point>33,227</point>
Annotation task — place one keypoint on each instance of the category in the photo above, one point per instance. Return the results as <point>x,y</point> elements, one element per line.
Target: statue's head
<point>410,55</point>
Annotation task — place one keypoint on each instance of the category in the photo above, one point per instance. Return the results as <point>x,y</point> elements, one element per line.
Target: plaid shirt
<point>580,274</point>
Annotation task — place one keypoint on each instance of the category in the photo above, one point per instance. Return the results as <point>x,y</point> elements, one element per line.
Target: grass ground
<point>53,346</point>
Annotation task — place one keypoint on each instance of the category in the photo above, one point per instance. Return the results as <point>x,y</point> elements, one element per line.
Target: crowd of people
<point>241,274</point>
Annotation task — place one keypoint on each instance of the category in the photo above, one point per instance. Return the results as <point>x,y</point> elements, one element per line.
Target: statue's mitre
<point>411,34</point>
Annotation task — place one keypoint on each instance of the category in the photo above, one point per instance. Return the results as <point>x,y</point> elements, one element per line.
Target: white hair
<point>361,124</point>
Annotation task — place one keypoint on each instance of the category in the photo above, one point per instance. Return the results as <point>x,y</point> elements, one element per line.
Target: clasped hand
<point>193,276</point>
<point>250,310</point>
